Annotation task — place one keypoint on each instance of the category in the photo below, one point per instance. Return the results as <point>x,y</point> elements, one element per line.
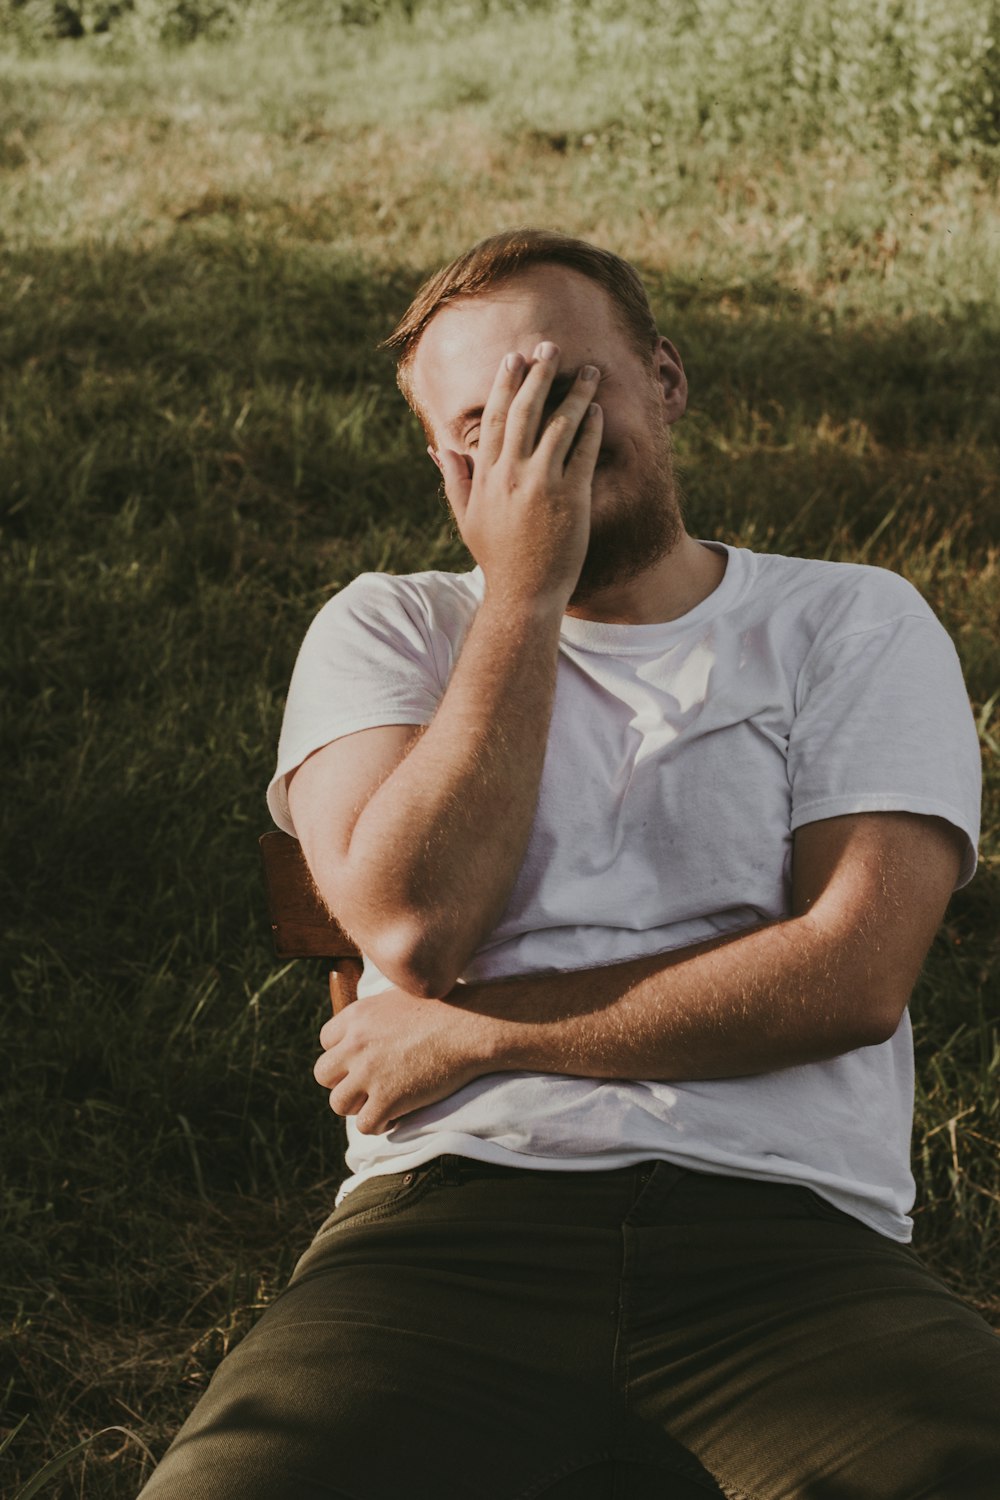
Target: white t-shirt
<point>681,758</point>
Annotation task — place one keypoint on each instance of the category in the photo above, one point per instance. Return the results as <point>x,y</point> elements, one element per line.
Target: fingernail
<point>546,351</point>
<point>514,361</point>
<point>589,372</point>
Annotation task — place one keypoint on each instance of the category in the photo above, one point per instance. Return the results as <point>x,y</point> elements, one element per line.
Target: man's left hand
<point>388,1054</point>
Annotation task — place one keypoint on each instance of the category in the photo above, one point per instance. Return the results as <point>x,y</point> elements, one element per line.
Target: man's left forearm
<point>751,1004</point>
<point>869,893</point>
<point>774,997</point>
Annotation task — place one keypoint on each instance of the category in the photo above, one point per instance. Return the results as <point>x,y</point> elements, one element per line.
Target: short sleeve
<point>883,724</point>
<point>366,661</point>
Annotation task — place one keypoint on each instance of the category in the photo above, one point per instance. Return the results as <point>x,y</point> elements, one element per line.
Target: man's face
<point>635,519</point>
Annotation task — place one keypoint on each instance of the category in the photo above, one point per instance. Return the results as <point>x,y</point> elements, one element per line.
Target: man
<point>645,841</point>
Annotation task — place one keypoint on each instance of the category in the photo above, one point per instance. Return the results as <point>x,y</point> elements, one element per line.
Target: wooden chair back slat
<point>301,926</point>
<point>344,976</point>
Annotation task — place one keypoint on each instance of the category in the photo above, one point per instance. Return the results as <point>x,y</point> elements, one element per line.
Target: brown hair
<point>502,256</point>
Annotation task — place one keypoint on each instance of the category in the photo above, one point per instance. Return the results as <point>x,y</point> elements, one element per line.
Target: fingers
<point>567,423</point>
<point>523,418</point>
<point>369,1120</point>
<point>583,458</point>
<point>552,439</point>
<point>514,417</point>
<point>491,427</point>
<point>493,423</point>
<point>347,1098</point>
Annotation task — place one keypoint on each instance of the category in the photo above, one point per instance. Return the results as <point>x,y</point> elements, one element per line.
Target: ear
<point>671,379</point>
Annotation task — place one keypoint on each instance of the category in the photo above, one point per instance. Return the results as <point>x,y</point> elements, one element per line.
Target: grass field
<point>199,250</point>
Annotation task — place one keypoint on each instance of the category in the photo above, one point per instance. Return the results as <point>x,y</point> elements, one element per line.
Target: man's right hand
<point>523,502</point>
<point>415,839</point>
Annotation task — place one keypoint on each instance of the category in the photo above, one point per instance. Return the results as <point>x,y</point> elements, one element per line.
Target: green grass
<point>199,250</point>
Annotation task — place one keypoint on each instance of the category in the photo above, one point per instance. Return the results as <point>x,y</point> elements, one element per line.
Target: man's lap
<point>465,1331</point>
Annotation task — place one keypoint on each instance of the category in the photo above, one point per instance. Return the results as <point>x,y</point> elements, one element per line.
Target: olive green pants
<point>469,1332</point>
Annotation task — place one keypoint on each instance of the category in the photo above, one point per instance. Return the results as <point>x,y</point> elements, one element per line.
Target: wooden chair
<point>301,926</point>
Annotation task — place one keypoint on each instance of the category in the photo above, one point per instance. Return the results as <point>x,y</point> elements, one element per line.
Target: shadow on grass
<point>202,442</point>
<point>260,362</point>
<point>199,444</point>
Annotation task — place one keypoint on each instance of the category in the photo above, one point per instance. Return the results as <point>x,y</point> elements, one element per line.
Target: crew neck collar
<point>596,635</point>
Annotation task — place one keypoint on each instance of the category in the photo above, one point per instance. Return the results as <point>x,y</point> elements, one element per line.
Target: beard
<point>635,526</point>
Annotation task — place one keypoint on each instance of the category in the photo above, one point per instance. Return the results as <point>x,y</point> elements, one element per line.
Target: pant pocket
<point>379,1197</point>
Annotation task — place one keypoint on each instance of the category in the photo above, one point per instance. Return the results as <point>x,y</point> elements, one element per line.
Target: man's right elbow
<point>415,961</point>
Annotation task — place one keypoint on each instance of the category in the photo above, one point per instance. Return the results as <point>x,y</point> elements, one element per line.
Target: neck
<point>673,586</point>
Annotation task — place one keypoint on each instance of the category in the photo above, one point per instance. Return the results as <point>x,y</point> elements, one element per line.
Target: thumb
<point>456,470</point>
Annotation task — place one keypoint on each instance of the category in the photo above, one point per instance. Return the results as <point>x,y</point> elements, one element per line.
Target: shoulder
<point>429,592</point>
<point>876,594</point>
<point>427,602</point>
<point>824,602</point>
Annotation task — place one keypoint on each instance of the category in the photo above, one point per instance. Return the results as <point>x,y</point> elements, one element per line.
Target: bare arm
<point>869,893</point>
<point>415,838</point>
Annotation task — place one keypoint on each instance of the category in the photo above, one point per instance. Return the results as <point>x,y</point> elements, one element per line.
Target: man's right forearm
<point>435,852</point>
<point>423,865</point>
